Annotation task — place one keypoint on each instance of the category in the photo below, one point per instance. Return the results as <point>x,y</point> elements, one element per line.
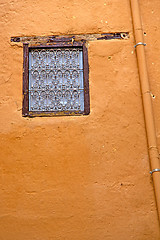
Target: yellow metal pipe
<point>147,101</point>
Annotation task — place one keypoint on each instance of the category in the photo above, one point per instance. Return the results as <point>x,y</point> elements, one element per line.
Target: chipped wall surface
<point>79,177</point>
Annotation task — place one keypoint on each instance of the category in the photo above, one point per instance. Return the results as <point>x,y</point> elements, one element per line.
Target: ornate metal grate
<point>56,80</point>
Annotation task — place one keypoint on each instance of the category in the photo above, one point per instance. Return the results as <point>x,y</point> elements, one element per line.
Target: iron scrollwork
<point>56,80</point>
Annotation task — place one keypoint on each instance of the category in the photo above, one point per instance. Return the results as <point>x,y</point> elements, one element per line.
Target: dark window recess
<point>55,80</point>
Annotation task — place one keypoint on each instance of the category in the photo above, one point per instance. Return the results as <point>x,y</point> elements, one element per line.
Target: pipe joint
<point>140,43</point>
<point>155,170</point>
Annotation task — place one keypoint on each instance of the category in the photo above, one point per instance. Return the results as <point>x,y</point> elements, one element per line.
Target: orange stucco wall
<point>82,177</point>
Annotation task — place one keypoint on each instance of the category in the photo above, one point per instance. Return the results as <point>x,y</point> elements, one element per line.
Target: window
<point>55,80</point>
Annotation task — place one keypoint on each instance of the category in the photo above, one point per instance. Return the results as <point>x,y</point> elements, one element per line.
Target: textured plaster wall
<point>83,177</point>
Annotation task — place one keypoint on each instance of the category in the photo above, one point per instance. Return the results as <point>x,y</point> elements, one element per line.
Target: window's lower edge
<point>53,114</point>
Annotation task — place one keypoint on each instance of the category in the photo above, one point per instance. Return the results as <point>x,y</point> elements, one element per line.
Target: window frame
<point>25,108</point>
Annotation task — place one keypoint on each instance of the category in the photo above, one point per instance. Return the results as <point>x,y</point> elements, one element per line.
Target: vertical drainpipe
<point>147,102</point>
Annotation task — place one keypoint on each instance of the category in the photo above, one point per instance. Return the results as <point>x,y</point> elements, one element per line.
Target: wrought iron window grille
<point>55,80</point>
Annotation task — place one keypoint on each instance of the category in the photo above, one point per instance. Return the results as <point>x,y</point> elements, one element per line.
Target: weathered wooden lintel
<point>70,38</point>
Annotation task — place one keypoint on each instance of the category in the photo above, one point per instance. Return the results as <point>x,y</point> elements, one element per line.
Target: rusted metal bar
<point>113,36</point>
<point>25,78</point>
<point>70,38</point>
<point>56,44</point>
<point>86,81</point>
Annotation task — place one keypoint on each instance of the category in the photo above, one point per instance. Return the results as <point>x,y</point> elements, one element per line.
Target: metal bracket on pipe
<point>155,170</point>
<point>140,43</point>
